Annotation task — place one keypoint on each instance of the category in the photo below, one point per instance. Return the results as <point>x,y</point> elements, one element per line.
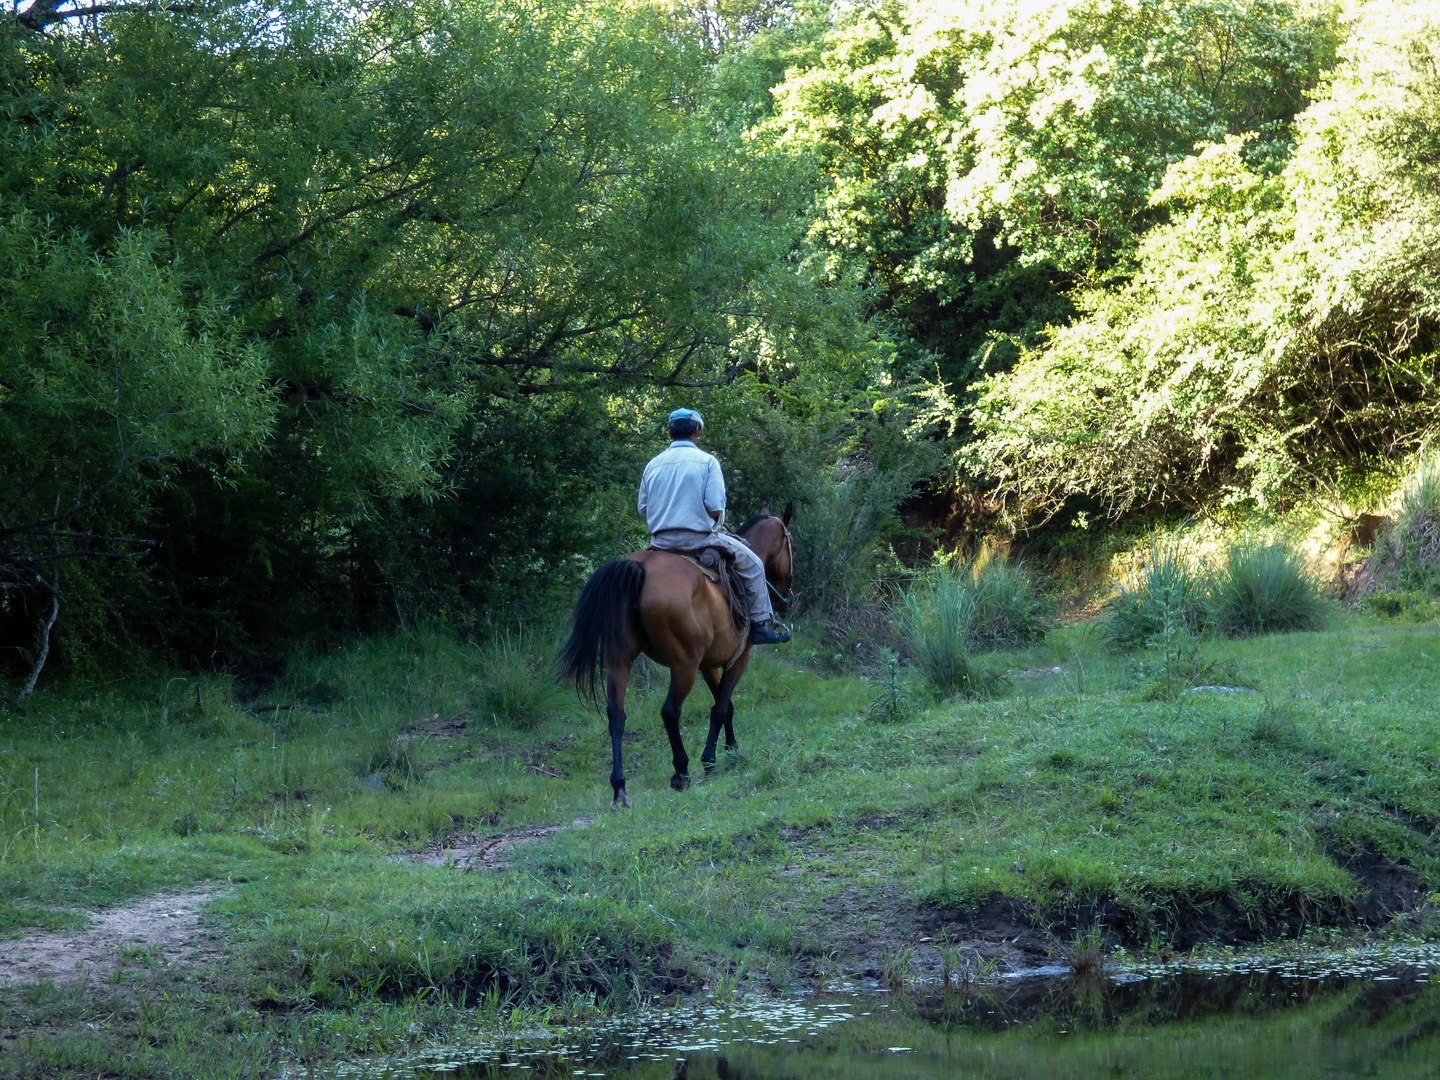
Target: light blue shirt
<point>681,484</point>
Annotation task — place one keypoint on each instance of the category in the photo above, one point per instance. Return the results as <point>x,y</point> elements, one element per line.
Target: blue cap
<point>687,414</point>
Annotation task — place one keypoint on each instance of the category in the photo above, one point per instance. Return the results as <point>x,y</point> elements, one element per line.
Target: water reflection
<point>1266,1026</point>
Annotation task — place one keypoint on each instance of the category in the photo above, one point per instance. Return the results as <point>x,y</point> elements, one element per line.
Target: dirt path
<point>471,852</point>
<point>167,927</point>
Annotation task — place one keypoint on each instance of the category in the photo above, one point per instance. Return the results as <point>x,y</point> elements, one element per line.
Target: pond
<point>1345,1015</point>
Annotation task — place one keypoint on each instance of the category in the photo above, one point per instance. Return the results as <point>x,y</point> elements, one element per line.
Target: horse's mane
<point>753,522</point>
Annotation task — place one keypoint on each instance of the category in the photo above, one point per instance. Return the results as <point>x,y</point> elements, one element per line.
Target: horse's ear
<point>764,510</point>
<point>789,514</point>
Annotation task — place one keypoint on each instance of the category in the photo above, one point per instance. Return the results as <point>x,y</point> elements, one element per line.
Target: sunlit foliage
<point>1281,328</point>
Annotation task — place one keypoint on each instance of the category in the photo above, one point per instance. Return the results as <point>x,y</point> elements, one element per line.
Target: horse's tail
<point>601,618</point>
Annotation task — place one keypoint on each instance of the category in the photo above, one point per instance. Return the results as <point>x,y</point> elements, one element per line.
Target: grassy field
<point>829,845</point>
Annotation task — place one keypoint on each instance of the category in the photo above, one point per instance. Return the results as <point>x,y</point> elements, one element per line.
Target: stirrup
<point>766,634</point>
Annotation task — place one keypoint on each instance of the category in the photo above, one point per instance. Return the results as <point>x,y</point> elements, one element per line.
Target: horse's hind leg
<point>682,681</point>
<point>617,678</point>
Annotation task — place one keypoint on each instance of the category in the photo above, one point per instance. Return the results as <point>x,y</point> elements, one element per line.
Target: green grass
<point>1073,793</point>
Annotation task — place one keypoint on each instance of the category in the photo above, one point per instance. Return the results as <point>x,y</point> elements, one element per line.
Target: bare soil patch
<point>167,927</point>
<point>470,852</point>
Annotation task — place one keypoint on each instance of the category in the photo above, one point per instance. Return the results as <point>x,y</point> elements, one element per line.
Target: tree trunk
<point>44,653</point>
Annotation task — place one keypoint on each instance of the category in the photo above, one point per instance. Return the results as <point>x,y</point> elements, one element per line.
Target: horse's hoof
<point>679,782</point>
<point>621,801</point>
<point>709,766</point>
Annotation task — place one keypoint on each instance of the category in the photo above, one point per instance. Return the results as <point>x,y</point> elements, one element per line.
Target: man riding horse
<point>661,603</point>
<point>682,499</point>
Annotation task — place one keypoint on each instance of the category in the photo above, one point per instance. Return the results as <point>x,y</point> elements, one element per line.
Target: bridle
<point>784,602</point>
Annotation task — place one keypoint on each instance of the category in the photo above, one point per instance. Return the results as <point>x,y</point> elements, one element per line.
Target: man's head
<point>685,424</point>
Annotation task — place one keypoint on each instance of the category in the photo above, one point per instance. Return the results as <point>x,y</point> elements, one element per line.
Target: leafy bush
<point>518,691</point>
<point>1194,380</point>
<point>1168,589</point>
<point>955,611</point>
<point>1263,588</point>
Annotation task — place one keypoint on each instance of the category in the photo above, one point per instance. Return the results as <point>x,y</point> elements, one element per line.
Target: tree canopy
<point>1279,333</point>
<point>324,317</point>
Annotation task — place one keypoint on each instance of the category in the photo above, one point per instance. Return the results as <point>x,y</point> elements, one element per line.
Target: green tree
<point>399,229</point>
<point>110,377</point>
<point>1280,335</point>
<point>985,158</point>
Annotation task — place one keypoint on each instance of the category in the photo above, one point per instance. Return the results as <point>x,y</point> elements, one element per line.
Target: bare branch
<point>45,13</point>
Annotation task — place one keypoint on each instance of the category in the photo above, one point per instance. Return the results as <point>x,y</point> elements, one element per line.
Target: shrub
<point>1169,589</point>
<point>517,688</point>
<point>1263,588</point>
<point>1009,609</point>
<point>955,611</point>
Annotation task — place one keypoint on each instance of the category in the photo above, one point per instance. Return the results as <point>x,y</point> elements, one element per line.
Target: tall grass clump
<point>1009,608</point>
<point>1265,587</point>
<point>388,758</point>
<point>955,611</point>
<point>517,688</point>
<point>1168,592</point>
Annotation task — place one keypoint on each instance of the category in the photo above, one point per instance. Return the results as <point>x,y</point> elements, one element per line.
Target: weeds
<point>897,968</point>
<point>389,758</point>
<point>954,611</point>
<point>893,703</point>
<point>1275,725</point>
<point>1405,565</point>
<point>962,967</point>
<point>1008,609</point>
<point>1178,661</point>
<point>1085,956</point>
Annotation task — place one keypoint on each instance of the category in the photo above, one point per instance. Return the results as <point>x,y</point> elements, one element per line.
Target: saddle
<point>718,565</point>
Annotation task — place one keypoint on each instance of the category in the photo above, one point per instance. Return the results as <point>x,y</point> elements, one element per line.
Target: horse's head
<point>770,538</point>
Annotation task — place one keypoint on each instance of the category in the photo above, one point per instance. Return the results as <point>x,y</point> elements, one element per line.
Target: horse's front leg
<point>723,712</point>
<point>682,681</point>
<point>617,678</point>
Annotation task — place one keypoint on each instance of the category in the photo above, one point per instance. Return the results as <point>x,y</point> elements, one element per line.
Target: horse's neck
<point>765,543</point>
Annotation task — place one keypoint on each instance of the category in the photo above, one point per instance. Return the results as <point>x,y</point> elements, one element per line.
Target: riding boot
<point>764,633</point>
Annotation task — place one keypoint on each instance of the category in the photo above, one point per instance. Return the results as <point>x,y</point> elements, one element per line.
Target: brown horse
<point>659,603</point>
